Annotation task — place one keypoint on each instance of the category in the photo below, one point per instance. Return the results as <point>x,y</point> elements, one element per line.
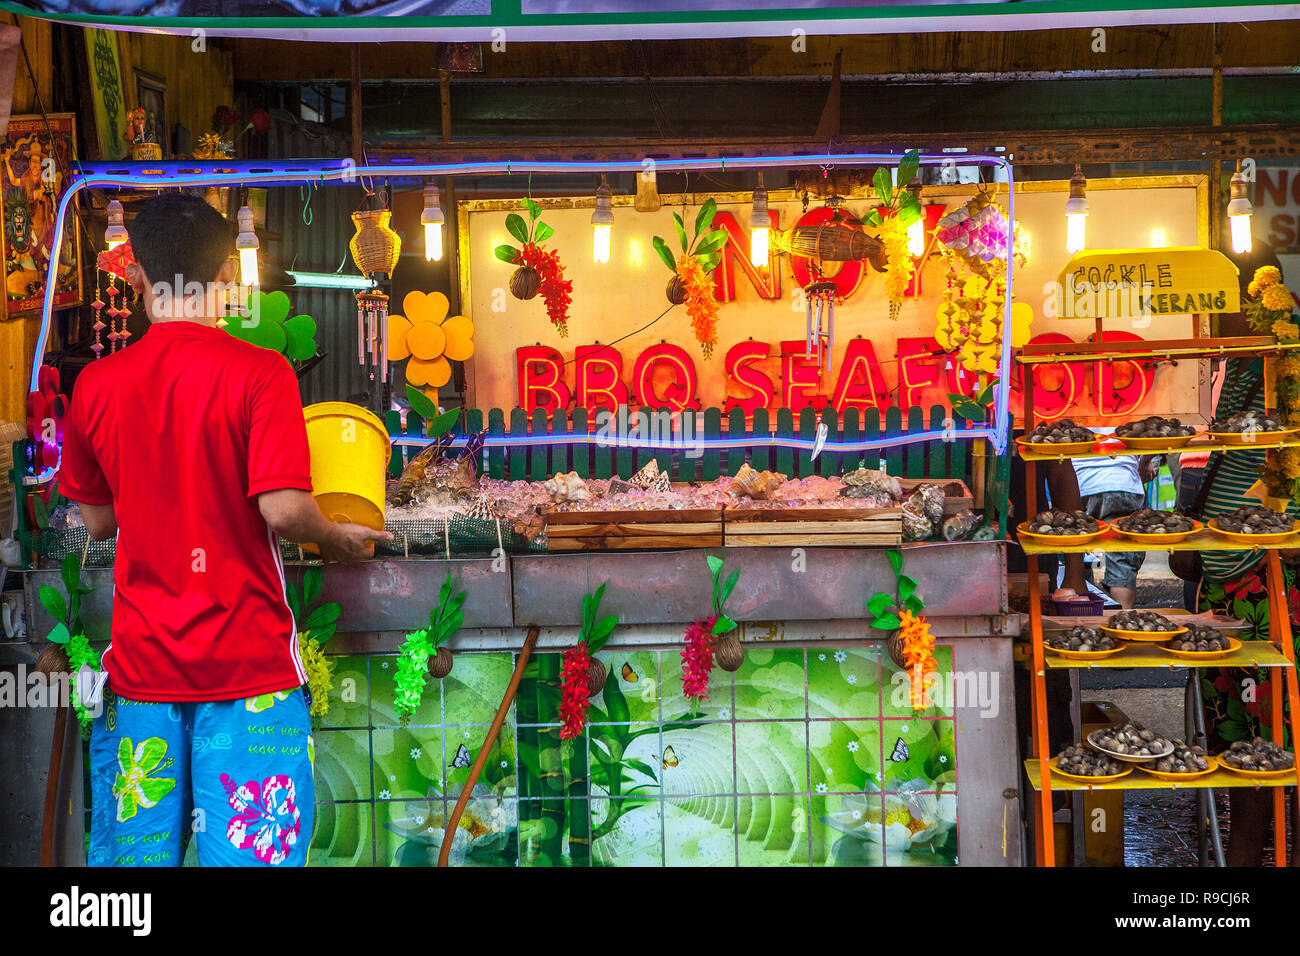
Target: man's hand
<point>351,542</point>
<point>1147,468</point>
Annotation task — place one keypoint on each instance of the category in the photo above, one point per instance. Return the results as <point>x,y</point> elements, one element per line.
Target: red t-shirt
<point>180,432</point>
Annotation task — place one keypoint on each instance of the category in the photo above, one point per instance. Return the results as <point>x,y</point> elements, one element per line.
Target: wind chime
<point>375,249</point>
<point>819,339</point>
<point>111,266</point>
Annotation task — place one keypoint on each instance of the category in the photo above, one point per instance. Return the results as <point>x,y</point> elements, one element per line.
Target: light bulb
<point>1239,210</point>
<point>602,225</point>
<point>246,242</point>
<point>432,219</point>
<point>916,238</point>
<point>116,233</point>
<point>759,243</point>
<point>1158,238</point>
<point>1076,213</point>
<point>433,241</point>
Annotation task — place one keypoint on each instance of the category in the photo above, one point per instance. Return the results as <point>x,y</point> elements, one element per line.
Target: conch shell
<point>567,487</point>
<point>650,477</point>
<point>868,482</point>
<point>758,485</point>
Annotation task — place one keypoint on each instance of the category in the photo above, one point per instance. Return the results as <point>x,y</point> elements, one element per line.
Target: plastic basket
<point>1091,606</point>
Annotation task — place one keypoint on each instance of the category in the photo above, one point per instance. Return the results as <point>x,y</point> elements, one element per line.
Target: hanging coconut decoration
<point>596,675</point>
<point>440,664</point>
<point>525,282</point>
<point>728,653</point>
<point>676,290</point>
<point>375,249</point>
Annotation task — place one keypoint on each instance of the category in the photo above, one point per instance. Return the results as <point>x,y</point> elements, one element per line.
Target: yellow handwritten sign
<point>1141,283</point>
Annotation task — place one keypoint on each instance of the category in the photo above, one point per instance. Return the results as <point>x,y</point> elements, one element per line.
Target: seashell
<point>567,487</point>
<point>958,526</point>
<point>869,481</point>
<point>758,485</point>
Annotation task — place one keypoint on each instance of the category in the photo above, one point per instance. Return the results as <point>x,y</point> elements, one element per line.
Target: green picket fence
<point>933,459</point>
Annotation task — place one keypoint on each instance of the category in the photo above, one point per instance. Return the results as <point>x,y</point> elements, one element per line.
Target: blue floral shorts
<point>237,774</point>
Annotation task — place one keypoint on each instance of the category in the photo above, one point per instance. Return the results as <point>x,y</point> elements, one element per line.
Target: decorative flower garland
<point>901,612</point>
<point>700,303</point>
<point>81,654</point>
<point>581,674</point>
<point>898,210</point>
<point>556,290</point>
<point>711,638</point>
<point>316,625</point>
<point>898,272</point>
<point>1268,309</point>
<point>413,664</point>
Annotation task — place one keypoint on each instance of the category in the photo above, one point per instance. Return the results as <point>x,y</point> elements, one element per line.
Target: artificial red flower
<point>574,690</point>
<point>554,287</point>
<point>697,658</point>
<point>225,118</point>
<point>260,120</point>
<point>1222,684</point>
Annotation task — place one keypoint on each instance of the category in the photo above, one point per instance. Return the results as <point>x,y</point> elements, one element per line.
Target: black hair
<point>176,234</point>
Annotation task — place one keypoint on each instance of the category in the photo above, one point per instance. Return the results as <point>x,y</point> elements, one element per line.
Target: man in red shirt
<point>190,447</point>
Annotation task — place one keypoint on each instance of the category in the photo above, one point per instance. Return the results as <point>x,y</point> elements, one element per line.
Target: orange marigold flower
<point>918,655</point>
<point>701,306</point>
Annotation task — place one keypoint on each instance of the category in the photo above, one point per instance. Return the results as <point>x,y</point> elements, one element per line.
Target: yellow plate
<point>1252,438</point>
<point>1257,774</point>
<point>1141,443</point>
<point>1275,537</point>
<point>1083,655</point>
<point>1064,540</point>
<point>1148,637</point>
<point>1081,779</point>
<point>1233,645</point>
<point>1054,448</point>
<point>1172,538</point>
<point>1175,777</point>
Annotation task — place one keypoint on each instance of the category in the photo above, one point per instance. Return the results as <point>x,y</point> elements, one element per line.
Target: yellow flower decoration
<point>1266,276</point>
<point>1286,330</point>
<point>1277,298</point>
<point>426,335</point>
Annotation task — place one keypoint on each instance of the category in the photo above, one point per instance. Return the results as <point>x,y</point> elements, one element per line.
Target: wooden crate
<point>957,498</point>
<point>633,530</point>
<point>813,527</point>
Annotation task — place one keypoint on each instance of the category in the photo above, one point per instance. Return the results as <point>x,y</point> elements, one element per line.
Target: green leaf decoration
<point>534,210</point>
<point>58,634</point>
<point>300,338</point>
<point>873,219</point>
<point>661,247</point>
<point>449,626</point>
<point>914,604</point>
<point>887,622</point>
<point>908,166</point>
<point>516,226</point>
<point>728,587</point>
<point>884,185</point>
<point>723,625</point>
<point>704,218</point>
<point>439,425</point>
<point>896,559</point>
<point>323,616</point>
<point>421,404</point>
<point>879,604</point>
<point>544,232</point>
<point>714,563</point>
<point>906,587</point>
<point>909,208</point>
<point>295,606</point>
<point>70,572</point>
<point>711,242</point>
<point>270,307</point>
<point>681,231</point>
<point>444,592</point>
<point>710,262</point>
<point>312,580</point>
<point>42,513</point>
<point>53,602</point>
<point>600,632</point>
<point>506,253</point>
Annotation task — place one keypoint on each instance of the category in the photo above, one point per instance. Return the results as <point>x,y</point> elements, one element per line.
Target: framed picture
<point>34,159</point>
<point>151,96</point>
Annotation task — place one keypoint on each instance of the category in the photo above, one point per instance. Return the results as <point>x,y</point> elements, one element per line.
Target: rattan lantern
<point>375,249</point>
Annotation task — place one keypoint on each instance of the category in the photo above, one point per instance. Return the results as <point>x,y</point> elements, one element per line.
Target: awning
<point>500,21</point>
<point>1141,283</point>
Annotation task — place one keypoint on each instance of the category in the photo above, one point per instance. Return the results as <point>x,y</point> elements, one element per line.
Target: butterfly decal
<point>670,757</point>
<point>629,674</point>
<point>901,753</point>
<point>462,757</point>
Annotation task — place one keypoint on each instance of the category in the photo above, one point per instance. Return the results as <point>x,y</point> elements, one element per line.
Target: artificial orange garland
<point>918,654</point>
<point>700,303</point>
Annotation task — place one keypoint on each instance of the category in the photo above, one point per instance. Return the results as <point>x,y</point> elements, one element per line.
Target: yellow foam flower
<point>424,333</point>
<point>1266,276</point>
<point>1277,298</point>
<point>1285,331</point>
<point>1288,366</point>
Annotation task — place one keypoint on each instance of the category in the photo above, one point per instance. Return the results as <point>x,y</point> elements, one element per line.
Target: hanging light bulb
<point>1239,210</point>
<point>602,224</point>
<point>760,227</point>
<point>916,231</point>
<point>246,243</point>
<point>432,219</point>
<point>116,233</point>
<point>1076,213</point>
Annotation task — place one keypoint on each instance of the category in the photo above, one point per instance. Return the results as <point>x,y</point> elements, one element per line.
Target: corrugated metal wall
<point>318,247</point>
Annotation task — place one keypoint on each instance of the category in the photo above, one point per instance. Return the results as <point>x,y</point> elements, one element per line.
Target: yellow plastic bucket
<point>349,462</point>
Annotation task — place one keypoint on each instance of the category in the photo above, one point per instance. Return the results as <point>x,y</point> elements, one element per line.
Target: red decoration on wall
<point>1057,386</point>
<point>597,370</point>
<point>679,391</point>
<point>801,379</point>
<point>861,383</point>
<point>539,370</point>
<point>742,369</point>
<point>736,252</point>
<point>849,275</point>
<point>1119,386</point>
